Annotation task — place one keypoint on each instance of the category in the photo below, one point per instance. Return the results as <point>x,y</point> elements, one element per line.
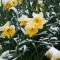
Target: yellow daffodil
<point>31,30</point>
<point>23,20</point>
<point>8,4</point>
<point>8,30</point>
<point>38,20</point>
<point>53,54</point>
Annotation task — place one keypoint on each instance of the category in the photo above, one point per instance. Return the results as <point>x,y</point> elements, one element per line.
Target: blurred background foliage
<point>22,47</point>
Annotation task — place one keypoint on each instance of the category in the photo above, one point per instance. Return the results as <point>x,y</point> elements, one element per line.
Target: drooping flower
<point>8,4</point>
<point>31,30</point>
<point>53,54</point>
<point>23,20</point>
<point>39,20</point>
<point>8,30</point>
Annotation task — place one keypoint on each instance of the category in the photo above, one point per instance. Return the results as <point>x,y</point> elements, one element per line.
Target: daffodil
<point>8,4</point>
<point>53,54</point>
<point>8,30</point>
<point>31,30</point>
<point>23,20</point>
<point>39,20</point>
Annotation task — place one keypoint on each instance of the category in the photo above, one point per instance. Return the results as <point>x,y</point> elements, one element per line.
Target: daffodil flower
<point>53,54</point>
<point>23,20</point>
<point>39,20</point>
<point>8,30</point>
<point>31,30</point>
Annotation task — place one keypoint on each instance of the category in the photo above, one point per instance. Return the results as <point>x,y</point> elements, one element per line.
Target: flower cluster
<point>32,25</point>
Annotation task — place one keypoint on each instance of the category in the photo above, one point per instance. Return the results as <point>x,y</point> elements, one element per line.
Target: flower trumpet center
<point>31,29</point>
<point>8,30</point>
<point>23,23</point>
<point>37,21</point>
